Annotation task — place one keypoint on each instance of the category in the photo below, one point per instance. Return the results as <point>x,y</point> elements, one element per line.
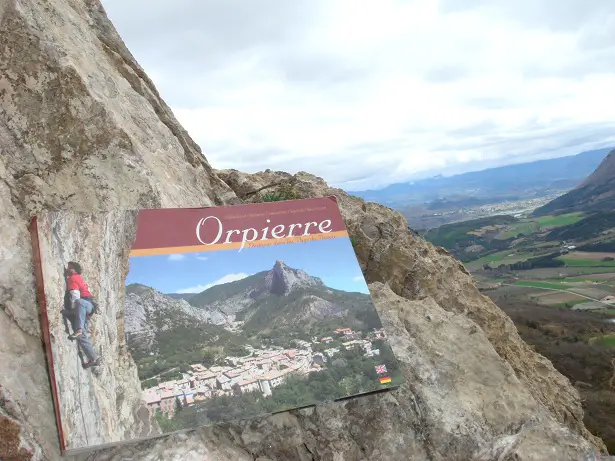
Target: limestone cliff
<point>390,252</point>
<point>83,128</point>
<point>102,404</point>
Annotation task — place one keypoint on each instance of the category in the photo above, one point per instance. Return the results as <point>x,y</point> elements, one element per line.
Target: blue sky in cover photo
<point>333,260</point>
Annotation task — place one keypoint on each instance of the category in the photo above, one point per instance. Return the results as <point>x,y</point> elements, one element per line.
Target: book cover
<point>162,320</point>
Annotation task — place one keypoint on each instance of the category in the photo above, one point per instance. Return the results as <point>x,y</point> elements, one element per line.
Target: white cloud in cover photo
<point>226,279</point>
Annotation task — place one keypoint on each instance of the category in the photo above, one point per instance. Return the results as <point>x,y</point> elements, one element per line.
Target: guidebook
<point>163,320</point>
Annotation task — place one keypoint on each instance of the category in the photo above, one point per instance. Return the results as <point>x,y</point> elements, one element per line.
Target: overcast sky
<point>367,93</point>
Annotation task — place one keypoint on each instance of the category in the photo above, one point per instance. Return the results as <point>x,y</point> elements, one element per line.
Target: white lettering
<point>250,234</point>
<point>198,229</point>
<point>265,230</point>
<point>322,226</point>
<point>277,229</point>
<point>229,234</point>
<point>245,238</point>
<point>307,227</point>
<point>292,228</point>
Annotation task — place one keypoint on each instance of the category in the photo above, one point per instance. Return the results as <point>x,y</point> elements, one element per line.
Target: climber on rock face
<point>78,308</point>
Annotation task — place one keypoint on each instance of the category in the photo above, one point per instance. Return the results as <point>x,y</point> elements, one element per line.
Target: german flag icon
<point>384,379</point>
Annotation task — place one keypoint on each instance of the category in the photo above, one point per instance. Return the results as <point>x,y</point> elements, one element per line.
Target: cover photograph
<point>162,320</point>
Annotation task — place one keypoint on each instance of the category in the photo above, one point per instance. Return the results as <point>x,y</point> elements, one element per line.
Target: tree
<point>235,350</point>
<point>208,357</point>
<point>178,406</point>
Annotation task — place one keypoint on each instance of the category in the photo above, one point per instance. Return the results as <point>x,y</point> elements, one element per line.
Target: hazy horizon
<point>484,168</point>
<point>370,94</point>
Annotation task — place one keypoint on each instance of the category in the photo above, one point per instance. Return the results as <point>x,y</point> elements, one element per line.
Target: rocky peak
<point>283,279</point>
<point>604,173</point>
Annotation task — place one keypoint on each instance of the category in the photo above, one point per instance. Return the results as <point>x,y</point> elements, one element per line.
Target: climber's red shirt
<point>75,282</point>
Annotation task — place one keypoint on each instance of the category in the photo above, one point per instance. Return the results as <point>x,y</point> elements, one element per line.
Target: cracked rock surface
<point>83,128</point>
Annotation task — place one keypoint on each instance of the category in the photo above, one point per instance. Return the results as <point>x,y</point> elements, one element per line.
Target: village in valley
<point>262,370</point>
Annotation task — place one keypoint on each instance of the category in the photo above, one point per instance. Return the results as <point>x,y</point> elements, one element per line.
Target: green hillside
<point>303,314</point>
<point>226,290</point>
<point>595,194</point>
<point>504,238</point>
<point>586,228</point>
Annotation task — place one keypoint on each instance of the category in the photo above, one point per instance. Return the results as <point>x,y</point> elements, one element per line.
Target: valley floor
<point>581,345</point>
<point>555,277</point>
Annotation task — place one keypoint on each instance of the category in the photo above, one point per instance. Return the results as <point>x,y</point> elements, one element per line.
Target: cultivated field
<point>575,262</point>
<point>544,223</point>
<point>556,297</point>
<point>590,256</point>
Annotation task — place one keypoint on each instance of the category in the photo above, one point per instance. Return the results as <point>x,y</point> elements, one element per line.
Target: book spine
<point>44,321</point>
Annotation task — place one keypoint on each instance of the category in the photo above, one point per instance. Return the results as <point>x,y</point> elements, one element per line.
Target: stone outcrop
<point>103,404</point>
<point>142,303</point>
<point>459,403</point>
<point>83,128</point>
<point>282,279</point>
<point>390,252</point>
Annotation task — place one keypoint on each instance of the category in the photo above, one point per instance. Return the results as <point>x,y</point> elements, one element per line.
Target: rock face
<point>389,252</point>
<point>103,404</point>
<point>282,279</point>
<point>146,311</point>
<point>83,128</point>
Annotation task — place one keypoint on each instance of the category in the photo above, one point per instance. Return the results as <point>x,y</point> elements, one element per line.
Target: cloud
<point>358,278</point>
<point>226,279</point>
<point>176,257</point>
<point>369,93</point>
<point>200,257</point>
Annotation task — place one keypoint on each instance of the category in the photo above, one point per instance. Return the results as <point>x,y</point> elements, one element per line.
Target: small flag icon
<point>381,369</point>
<point>384,379</point>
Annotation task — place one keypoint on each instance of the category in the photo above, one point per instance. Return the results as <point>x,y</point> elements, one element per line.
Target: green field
<point>569,303</point>
<point>525,228</point>
<point>594,270</point>
<point>576,279</point>
<point>573,262</point>
<point>449,235</point>
<point>492,258</point>
<point>555,286</point>
<point>568,280</point>
<point>607,340</point>
<point>559,221</point>
<point>531,226</point>
<point>500,257</point>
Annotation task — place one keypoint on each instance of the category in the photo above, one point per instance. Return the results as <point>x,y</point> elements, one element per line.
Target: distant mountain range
<point>595,194</point>
<point>512,182</point>
<point>281,301</point>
